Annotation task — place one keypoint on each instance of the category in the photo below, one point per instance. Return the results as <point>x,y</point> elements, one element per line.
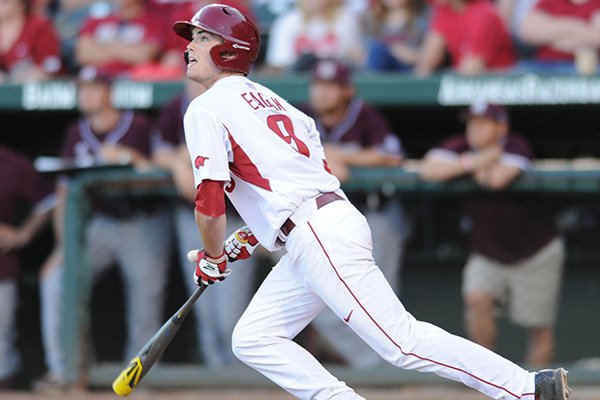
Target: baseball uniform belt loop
<point>321,200</point>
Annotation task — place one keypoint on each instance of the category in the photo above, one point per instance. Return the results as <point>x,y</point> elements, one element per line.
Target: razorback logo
<point>199,161</point>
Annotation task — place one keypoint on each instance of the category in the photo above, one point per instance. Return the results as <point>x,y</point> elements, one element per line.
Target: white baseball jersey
<point>243,133</point>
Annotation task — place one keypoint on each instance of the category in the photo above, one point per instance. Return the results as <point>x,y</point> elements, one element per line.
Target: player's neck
<point>224,74</point>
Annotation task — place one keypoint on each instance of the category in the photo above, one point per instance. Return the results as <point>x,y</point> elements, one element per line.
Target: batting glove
<point>240,245</point>
<point>208,270</point>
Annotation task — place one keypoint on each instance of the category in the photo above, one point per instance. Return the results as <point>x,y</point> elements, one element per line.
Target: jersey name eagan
<point>258,100</point>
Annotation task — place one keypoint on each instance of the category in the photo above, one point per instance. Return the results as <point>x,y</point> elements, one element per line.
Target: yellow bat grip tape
<point>128,378</point>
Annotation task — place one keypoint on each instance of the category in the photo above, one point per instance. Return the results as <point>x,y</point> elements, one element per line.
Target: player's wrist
<point>215,259</point>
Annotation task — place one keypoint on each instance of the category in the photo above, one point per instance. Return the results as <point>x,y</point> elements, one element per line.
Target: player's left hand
<point>208,269</point>
<point>240,245</point>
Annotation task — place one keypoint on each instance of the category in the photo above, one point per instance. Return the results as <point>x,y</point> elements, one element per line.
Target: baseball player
<point>130,231</point>
<point>248,142</point>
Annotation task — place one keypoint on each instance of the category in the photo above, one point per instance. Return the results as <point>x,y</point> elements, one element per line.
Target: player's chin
<point>192,75</point>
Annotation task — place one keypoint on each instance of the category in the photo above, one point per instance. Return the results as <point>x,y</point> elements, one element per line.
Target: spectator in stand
<point>513,13</point>
<point>107,135</point>
<point>354,133</point>
<point>516,255</point>
<point>128,39</point>
<point>69,19</point>
<point>560,29</point>
<point>20,185</point>
<point>312,29</point>
<point>474,35</point>
<point>214,326</point>
<point>396,29</point>
<point>29,45</point>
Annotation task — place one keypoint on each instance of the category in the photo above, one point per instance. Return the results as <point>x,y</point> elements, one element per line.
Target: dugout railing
<point>560,177</point>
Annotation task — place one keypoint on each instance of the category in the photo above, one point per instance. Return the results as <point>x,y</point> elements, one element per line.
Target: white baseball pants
<point>330,264</point>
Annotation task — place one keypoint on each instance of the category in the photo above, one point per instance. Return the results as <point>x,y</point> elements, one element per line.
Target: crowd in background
<point>132,39</point>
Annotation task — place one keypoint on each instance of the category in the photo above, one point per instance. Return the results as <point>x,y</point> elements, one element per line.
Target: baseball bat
<point>139,366</point>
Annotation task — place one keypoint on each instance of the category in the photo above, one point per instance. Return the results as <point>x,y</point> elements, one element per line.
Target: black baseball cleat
<point>551,384</point>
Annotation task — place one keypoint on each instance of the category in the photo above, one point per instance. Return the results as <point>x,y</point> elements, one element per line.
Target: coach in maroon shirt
<point>516,255</point>
<point>20,185</point>
<point>131,232</point>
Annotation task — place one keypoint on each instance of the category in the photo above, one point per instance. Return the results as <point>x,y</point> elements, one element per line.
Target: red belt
<point>322,200</point>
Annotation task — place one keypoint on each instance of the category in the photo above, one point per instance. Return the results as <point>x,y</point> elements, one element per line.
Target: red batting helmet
<point>240,35</point>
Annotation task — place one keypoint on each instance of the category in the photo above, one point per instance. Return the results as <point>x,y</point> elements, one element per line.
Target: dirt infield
<point>407,393</point>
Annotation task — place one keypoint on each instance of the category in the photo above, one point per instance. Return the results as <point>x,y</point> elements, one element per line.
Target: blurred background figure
<point>513,13</point>
<point>105,135</point>
<point>355,134</point>
<point>312,29</point>
<point>395,29</point>
<point>516,258</point>
<point>474,35</point>
<point>22,193</point>
<point>562,31</point>
<point>29,45</point>
<point>69,19</point>
<point>125,43</point>
<point>214,325</point>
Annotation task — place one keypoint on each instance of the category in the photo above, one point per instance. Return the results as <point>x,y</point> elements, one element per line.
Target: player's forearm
<point>212,230</point>
<point>372,158</point>
<point>440,171</point>
<point>177,161</point>
<point>58,215</point>
<point>183,178</point>
<point>431,56</point>
<point>32,225</point>
<point>497,177</point>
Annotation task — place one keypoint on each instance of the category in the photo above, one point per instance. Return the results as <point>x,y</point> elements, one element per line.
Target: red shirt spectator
<point>566,10</point>
<point>478,29</point>
<point>122,41</point>
<point>471,29</point>
<point>35,51</point>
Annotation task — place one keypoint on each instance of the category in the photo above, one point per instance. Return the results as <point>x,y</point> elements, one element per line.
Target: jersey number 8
<point>278,121</point>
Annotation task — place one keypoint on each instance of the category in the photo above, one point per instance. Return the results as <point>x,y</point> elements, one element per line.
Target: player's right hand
<point>208,269</point>
<point>240,245</point>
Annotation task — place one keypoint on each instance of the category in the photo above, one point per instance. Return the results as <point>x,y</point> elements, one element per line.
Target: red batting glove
<point>240,245</point>
<point>208,269</point>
